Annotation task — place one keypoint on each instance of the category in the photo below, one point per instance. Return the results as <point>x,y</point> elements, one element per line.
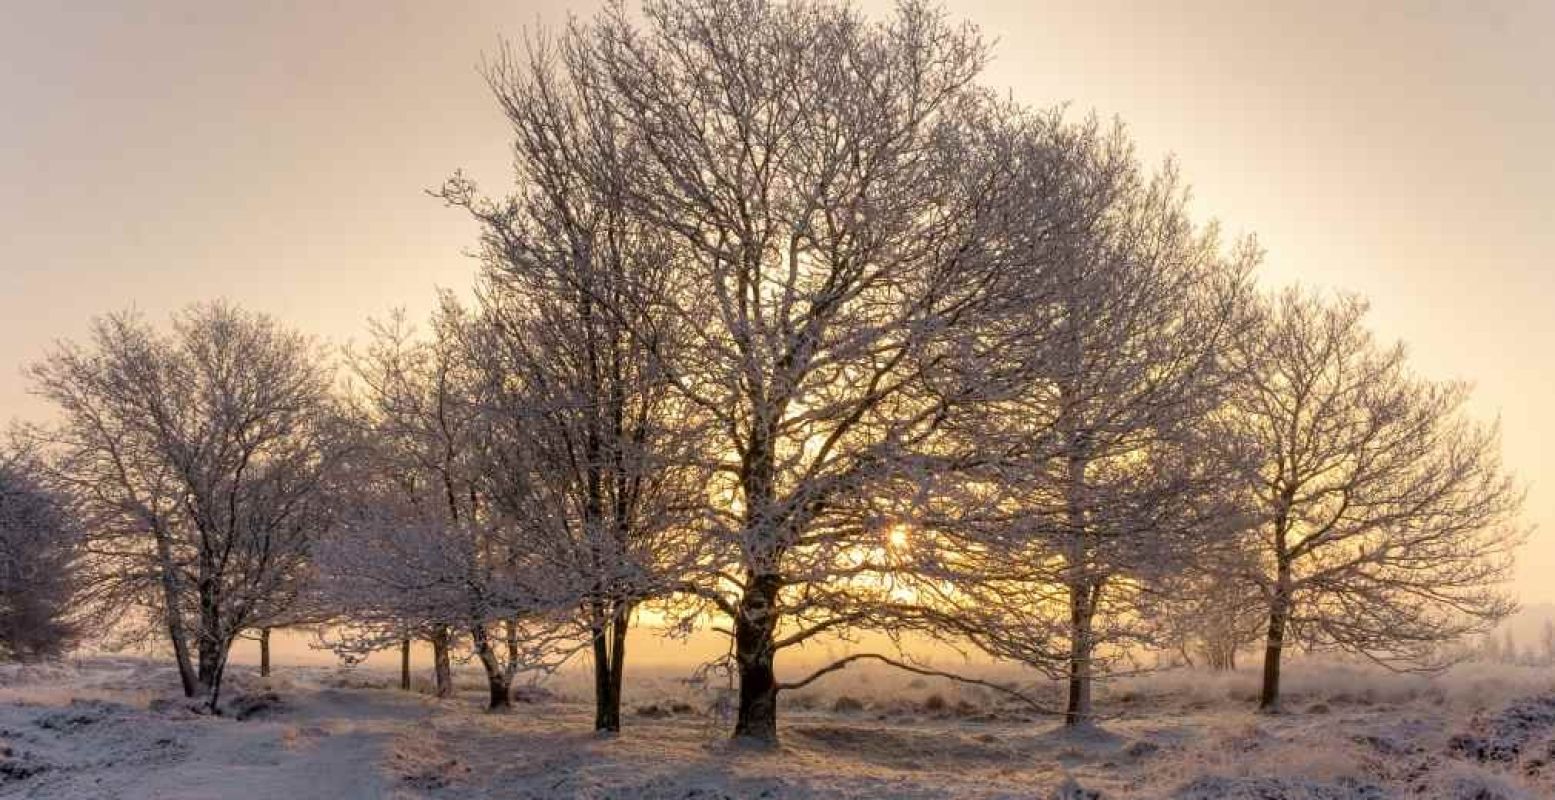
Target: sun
<point>896,537</point>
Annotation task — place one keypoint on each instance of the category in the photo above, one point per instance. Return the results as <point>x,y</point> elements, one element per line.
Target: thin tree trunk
<point>498,682</point>
<point>186,674</point>
<point>174,617</point>
<point>618,660</point>
<point>264,652</point>
<point>754,637</point>
<point>1274,646</point>
<point>405,665</point>
<point>442,667</point>
<point>1084,589</point>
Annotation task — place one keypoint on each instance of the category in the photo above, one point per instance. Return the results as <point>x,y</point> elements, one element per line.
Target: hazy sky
<point>275,153</point>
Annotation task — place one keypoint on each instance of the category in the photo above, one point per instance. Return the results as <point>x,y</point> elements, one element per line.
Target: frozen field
<point>114,727</point>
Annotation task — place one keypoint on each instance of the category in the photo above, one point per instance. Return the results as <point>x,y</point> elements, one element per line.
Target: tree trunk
<point>609,667</point>
<point>1081,647</point>
<point>604,720</point>
<point>1274,646</point>
<point>405,665</point>
<point>218,670</point>
<point>174,616</point>
<point>618,662</point>
<point>1084,588</point>
<point>754,633</point>
<point>442,667</point>
<point>499,684</point>
<point>209,656</point>
<point>264,652</point>
<point>186,674</point>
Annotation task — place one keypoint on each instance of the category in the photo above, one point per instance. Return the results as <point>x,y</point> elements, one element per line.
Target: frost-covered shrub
<point>1506,735</point>
<point>1269,788</point>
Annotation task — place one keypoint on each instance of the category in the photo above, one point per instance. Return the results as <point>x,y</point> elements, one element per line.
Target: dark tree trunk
<point>1082,646</point>
<point>405,665</point>
<point>609,666</point>
<point>218,670</point>
<point>209,654</point>
<point>618,663</point>
<point>605,718</point>
<point>754,638</point>
<point>499,684</point>
<point>264,652</point>
<point>174,618</point>
<point>442,667</point>
<point>187,677</point>
<point>210,647</point>
<point>1274,646</point>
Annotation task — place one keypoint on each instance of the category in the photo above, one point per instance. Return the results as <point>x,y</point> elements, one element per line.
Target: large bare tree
<point>1387,521</point>
<point>195,455</point>
<point>820,185</point>
<point>1096,490</point>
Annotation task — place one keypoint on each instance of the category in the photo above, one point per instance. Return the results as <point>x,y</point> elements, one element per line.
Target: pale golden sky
<point>275,153</point>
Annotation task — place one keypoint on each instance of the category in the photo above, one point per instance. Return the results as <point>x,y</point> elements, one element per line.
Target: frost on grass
<point>1511,733</point>
<point>104,728</point>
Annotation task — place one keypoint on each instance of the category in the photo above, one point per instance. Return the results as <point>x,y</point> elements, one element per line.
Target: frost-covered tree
<point>1098,491</point>
<point>421,552</point>
<point>819,185</point>
<point>1387,521</point>
<point>195,456</point>
<point>39,555</point>
<point>595,457</point>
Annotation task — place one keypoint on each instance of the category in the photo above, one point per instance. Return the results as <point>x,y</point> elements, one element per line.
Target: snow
<point>115,727</point>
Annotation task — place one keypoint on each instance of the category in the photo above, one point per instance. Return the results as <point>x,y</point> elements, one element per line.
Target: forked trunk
<point>609,647</point>
<point>218,670</point>
<point>754,637</point>
<point>174,618</point>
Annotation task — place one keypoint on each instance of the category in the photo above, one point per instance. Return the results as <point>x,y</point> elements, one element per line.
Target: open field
<point>115,727</point>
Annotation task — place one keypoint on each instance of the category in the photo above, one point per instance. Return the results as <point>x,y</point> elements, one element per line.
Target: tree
<point>39,558</point>
<point>595,456</point>
<point>196,457</point>
<point>422,550</point>
<point>821,183</point>
<point>1386,519</point>
<point>1098,491</point>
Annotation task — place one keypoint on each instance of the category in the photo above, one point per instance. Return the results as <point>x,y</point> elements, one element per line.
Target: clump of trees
<point>40,554</point>
<point>195,458</point>
<point>790,327</point>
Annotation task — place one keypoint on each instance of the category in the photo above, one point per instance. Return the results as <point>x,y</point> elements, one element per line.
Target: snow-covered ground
<point>114,727</point>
